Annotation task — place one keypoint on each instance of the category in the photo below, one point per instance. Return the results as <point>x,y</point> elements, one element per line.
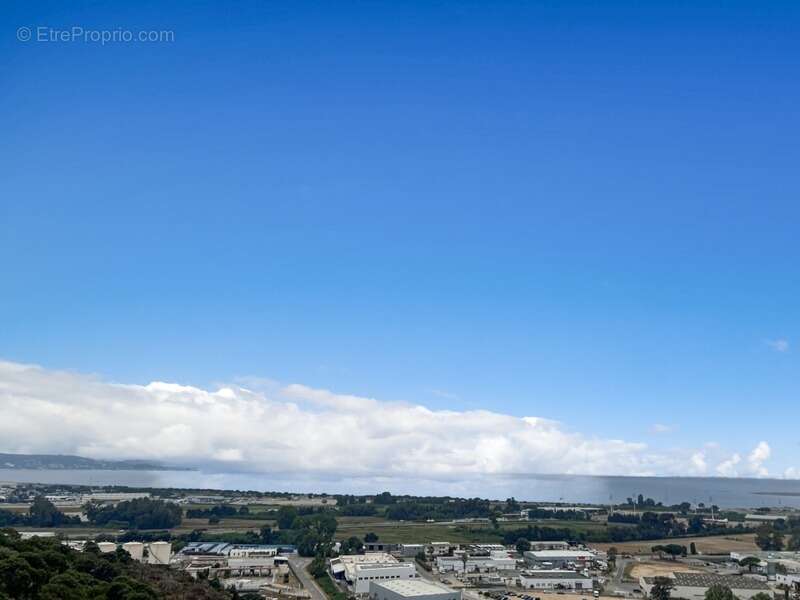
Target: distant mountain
<point>67,462</point>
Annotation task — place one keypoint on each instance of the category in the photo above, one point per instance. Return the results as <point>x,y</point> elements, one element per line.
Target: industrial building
<point>418,589</point>
<point>158,553</point>
<point>558,559</point>
<point>537,546</point>
<point>440,548</point>
<point>248,564</point>
<point>409,550</point>
<point>361,569</point>
<point>496,561</point>
<point>557,579</point>
<point>693,586</point>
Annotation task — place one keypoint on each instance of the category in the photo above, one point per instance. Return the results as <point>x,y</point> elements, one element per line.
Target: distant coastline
<point>66,462</point>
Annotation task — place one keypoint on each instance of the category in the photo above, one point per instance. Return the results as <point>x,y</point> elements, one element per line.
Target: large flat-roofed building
<point>693,586</point>
<point>537,546</point>
<point>557,559</point>
<point>410,549</point>
<point>557,579</point>
<point>494,562</point>
<point>361,569</point>
<point>418,589</point>
<point>440,548</point>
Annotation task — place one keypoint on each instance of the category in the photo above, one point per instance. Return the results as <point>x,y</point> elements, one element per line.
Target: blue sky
<point>575,210</point>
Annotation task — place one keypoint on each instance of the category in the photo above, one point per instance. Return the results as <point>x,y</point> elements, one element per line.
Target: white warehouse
<point>556,579</point>
<point>418,589</point>
<point>359,570</point>
<point>557,559</point>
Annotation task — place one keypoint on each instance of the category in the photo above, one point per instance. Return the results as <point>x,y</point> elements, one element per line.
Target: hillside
<point>68,462</point>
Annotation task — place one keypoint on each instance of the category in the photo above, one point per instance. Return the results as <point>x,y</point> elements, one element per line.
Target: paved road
<point>299,564</point>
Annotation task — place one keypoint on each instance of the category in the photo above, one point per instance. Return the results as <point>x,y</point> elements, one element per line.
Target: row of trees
<point>140,513</point>
<point>42,513</point>
<point>783,534</point>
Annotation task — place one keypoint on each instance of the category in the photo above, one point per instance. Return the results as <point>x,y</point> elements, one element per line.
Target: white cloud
<point>792,473</point>
<point>698,464</point>
<point>779,345</point>
<point>757,457</point>
<point>727,468</point>
<point>735,466</point>
<point>301,431</point>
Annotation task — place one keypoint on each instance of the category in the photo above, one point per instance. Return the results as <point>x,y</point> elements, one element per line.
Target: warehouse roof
<point>409,588</point>
<point>558,553</point>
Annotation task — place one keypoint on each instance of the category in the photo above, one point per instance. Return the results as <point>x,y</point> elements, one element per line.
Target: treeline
<point>42,513</point>
<point>358,510</point>
<point>783,534</point>
<point>140,513</point>
<point>561,515</point>
<point>648,526</point>
<point>44,569</point>
<point>458,509</point>
<point>222,511</point>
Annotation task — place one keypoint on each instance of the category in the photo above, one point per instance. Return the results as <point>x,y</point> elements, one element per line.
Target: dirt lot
<point>717,544</point>
<point>659,569</point>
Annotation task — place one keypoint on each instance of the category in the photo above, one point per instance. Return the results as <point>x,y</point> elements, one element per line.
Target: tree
<point>523,546</point>
<point>662,588</point>
<point>371,537</point>
<point>512,505</point>
<point>286,517</point>
<point>314,532</point>
<point>719,592</point>
<point>764,538</point>
<point>749,562</point>
<point>265,534</point>
<point>612,554</point>
<point>384,498</point>
<point>140,513</point>
<point>317,566</point>
<point>777,540</point>
<point>17,578</point>
<point>352,545</point>
<point>761,596</point>
<point>672,550</point>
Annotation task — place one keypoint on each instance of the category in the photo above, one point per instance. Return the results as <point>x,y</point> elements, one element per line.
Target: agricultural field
<point>718,544</point>
<point>410,532</point>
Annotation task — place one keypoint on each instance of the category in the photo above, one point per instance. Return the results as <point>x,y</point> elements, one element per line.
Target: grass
<point>409,532</point>
<point>331,591</point>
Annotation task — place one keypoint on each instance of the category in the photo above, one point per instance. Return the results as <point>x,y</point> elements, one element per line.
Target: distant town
<point>179,543</point>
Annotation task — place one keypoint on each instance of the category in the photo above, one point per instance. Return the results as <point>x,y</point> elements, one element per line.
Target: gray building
<point>555,580</point>
<point>417,589</point>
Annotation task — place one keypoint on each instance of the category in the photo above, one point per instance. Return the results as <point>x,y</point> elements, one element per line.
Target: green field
<point>408,532</point>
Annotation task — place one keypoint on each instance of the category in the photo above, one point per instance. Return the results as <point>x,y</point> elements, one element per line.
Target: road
<point>615,582</point>
<point>299,564</point>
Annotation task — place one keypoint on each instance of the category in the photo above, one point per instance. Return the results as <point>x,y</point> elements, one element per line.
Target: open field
<point>408,532</point>
<point>719,544</point>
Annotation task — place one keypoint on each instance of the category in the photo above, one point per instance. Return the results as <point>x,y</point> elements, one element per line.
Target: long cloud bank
<point>297,429</point>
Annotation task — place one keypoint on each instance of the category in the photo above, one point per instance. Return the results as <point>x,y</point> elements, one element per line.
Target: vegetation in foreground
<point>45,569</point>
